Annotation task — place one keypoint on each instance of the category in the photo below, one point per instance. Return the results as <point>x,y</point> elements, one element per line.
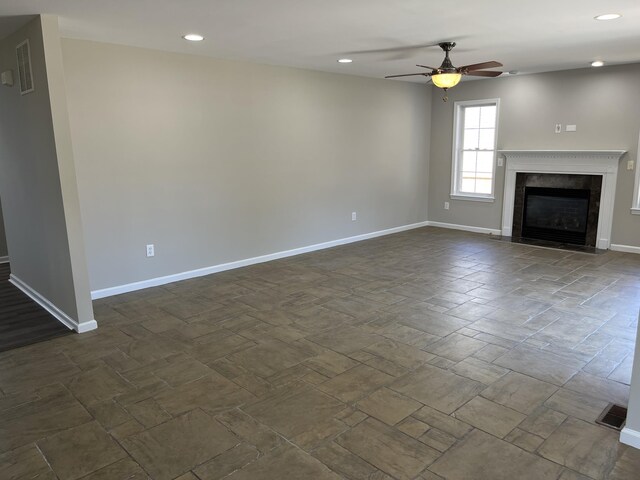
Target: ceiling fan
<point>446,75</point>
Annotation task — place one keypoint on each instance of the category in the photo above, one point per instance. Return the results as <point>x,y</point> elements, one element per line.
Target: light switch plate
<point>6,78</point>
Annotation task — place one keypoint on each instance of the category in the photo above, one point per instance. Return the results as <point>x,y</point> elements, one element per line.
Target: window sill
<point>635,211</point>
<point>474,198</point>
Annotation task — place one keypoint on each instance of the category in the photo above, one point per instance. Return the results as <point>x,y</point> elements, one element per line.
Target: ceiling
<point>525,35</point>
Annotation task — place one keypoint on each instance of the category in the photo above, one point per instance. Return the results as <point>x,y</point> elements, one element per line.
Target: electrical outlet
<point>151,251</point>
<point>558,127</point>
<point>354,216</point>
<point>630,165</point>
<point>446,205</point>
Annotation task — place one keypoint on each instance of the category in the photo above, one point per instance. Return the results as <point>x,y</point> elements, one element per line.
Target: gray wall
<point>604,104</point>
<point>3,238</point>
<point>37,176</point>
<point>215,161</point>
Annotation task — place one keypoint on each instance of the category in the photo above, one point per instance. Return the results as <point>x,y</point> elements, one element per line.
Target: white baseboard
<point>630,437</point>
<point>466,228</point>
<point>624,248</point>
<point>154,282</point>
<point>4,259</point>
<point>62,317</point>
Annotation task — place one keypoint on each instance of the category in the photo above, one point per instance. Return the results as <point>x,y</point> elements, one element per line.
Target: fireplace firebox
<point>556,214</point>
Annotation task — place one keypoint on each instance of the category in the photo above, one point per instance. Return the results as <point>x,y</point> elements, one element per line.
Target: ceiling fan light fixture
<point>446,80</point>
<point>608,16</point>
<point>447,76</point>
<point>193,37</point>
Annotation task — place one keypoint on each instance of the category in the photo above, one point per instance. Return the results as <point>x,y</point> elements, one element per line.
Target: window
<point>474,149</point>
<point>635,208</point>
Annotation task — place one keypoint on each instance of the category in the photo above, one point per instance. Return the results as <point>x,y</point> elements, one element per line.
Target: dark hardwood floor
<point>22,321</point>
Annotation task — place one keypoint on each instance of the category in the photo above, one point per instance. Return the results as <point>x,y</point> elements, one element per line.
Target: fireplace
<point>592,170</point>
<point>556,214</point>
<point>557,207</point>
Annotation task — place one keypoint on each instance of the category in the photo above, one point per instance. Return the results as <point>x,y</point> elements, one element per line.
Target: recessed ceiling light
<point>597,63</point>
<point>193,37</point>
<point>345,60</point>
<point>513,72</point>
<point>608,16</point>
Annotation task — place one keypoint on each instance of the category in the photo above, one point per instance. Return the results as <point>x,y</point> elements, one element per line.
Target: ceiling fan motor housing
<point>447,66</point>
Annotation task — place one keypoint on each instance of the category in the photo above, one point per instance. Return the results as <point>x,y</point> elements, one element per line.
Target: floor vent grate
<point>614,416</point>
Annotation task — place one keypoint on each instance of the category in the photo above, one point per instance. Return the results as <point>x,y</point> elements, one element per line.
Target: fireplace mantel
<point>564,153</point>
<point>578,162</point>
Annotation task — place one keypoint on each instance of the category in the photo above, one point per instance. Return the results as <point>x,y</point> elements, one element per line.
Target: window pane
<point>485,162</point>
<point>469,161</point>
<point>488,117</point>
<point>472,117</point>
<point>483,186</point>
<point>487,137</point>
<point>468,185</point>
<point>470,139</point>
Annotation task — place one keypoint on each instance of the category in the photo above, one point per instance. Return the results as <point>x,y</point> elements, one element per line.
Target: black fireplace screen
<point>557,214</point>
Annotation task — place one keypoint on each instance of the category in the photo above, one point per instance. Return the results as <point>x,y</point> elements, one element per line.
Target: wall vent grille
<point>25,73</point>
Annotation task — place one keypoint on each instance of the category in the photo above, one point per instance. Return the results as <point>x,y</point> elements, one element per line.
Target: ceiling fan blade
<point>485,73</point>
<point>426,66</point>
<point>480,66</point>
<point>408,75</point>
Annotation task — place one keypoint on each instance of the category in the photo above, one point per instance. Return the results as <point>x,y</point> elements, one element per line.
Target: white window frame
<point>635,207</point>
<point>456,162</point>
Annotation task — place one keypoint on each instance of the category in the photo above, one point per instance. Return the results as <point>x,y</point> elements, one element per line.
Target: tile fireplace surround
<point>578,162</point>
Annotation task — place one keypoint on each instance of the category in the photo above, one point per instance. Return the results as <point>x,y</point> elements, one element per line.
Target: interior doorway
<point>4,251</point>
<point>22,321</point>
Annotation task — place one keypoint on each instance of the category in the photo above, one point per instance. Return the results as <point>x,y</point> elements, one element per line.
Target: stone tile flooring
<point>430,354</point>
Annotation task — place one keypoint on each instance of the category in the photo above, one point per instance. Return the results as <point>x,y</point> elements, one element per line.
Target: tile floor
<point>430,354</point>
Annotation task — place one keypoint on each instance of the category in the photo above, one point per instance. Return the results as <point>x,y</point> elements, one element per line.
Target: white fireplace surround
<point>577,162</point>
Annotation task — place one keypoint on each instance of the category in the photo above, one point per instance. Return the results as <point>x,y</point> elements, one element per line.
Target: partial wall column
<point>40,199</point>
<point>631,432</point>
